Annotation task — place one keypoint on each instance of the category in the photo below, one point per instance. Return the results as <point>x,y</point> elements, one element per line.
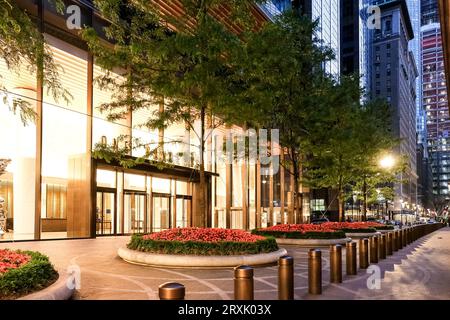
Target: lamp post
<point>387,162</point>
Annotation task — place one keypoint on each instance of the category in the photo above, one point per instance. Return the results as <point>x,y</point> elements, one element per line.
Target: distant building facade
<point>434,97</point>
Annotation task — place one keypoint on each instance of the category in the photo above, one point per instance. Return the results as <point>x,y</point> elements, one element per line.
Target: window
<point>55,201</point>
<point>318,204</point>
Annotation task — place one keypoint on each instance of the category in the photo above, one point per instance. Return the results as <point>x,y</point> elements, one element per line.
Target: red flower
<point>203,235</point>
<point>324,227</point>
<point>352,225</point>
<point>12,260</point>
<point>302,228</point>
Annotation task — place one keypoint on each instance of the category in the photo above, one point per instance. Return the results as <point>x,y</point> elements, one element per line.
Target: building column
<point>39,114</point>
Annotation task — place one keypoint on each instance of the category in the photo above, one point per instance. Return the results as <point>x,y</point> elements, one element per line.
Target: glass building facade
<point>434,97</point>
<point>326,12</point>
<point>53,188</point>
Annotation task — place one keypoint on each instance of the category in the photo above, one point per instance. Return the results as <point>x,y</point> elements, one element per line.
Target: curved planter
<point>62,289</point>
<point>385,231</point>
<point>192,261</point>
<point>313,242</point>
<point>360,235</point>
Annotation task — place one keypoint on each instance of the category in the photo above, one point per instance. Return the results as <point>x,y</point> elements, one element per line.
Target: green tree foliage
<point>348,139</point>
<point>183,64</point>
<point>21,43</point>
<point>283,83</point>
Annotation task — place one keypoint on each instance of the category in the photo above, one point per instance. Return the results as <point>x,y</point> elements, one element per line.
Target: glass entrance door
<point>105,215</point>
<point>134,212</point>
<point>183,216</point>
<point>161,212</point>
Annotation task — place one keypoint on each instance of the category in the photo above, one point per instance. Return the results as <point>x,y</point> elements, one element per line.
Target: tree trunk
<point>297,200</point>
<point>202,186</point>
<point>297,196</point>
<point>364,216</point>
<point>341,206</point>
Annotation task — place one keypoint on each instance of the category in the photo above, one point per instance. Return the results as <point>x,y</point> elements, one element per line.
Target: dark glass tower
<point>435,99</point>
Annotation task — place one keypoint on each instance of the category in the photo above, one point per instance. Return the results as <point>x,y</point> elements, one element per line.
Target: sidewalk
<point>421,270</point>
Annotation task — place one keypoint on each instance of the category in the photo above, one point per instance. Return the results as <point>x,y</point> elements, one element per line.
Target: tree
<point>3,164</point>
<point>183,64</point>
<point>282,84</point>
<point>374,140</point>
<point>440,203</point>
<point>22,43</point>
<point>332,155</point>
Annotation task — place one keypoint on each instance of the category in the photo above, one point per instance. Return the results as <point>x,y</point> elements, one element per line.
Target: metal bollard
<point>390,244</point>
<point>336,263</point>
<point>243,283</point>
<point>404,238</point>
<point>171,291</point>
<point>286,278</point>
<point>382,247</point>
<point>350,259</point>
<point>374,249</point>
<point>400,239</point>
<point>364,253</point>
<point>315,271</point>
<point>394,241</point>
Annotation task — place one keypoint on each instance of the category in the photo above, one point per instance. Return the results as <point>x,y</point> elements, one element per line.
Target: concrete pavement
<point>418,271</point>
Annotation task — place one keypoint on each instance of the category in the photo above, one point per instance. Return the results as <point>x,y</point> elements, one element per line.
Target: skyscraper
<point>393,77</point>
<point>385,59</point>
<point>414,8</point>
<point>326,12</point>
<point>434,97</point>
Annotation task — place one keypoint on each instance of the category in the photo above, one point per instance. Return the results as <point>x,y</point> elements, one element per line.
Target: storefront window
<point>134,182</point>
<point>105,131</point>
<point>106,178</point>
<point>18,144</point>
<point>65,160</point>
<point>160,185</point>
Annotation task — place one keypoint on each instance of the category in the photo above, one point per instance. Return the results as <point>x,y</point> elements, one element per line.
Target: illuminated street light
<point>387,162</point>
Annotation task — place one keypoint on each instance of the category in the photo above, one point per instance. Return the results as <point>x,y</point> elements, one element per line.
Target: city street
<point>418,271</point>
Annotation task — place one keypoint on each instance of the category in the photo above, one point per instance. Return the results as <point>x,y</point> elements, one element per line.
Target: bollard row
<point>378,247</point>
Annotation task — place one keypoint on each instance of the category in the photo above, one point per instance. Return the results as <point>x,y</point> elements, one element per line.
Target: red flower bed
<point>352,225</point>
<point>12,260</point>
<point>301,231</point>
<point>203,241</point>
<point>302,228</point>
<point>203,235</point>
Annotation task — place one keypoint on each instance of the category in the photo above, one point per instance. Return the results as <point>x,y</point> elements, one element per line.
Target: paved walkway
<point>419,271</point>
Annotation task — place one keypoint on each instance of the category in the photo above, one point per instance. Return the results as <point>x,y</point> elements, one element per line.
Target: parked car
<point>319,220</point>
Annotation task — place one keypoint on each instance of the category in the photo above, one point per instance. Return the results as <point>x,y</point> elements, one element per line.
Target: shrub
<point>385,227</point>
<point>36,274</point>
<point>360,230</point>
<point>185,243</point>
<point>300,235</point>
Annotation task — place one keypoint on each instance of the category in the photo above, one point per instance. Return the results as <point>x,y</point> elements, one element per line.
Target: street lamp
<point>387,162</point>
